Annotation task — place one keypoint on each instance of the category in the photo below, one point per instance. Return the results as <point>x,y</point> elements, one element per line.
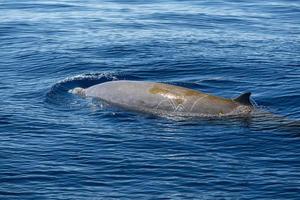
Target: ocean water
<point>55,145</point>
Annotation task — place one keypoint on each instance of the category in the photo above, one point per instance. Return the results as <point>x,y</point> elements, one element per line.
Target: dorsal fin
<point>244,99</point>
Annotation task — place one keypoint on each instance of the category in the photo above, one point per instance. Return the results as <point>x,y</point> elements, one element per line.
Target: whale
<point>161,98</point>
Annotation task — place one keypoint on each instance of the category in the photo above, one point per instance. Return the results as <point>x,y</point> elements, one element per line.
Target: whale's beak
<point>78,91</point>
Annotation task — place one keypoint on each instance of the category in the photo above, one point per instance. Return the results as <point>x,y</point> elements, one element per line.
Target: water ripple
<point>55,145</point>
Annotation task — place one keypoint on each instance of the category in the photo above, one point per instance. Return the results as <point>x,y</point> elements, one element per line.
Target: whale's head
<point>78,91</point>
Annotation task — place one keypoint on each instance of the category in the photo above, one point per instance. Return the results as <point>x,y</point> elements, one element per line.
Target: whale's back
<point>124,93</point>
<point>149,96</point>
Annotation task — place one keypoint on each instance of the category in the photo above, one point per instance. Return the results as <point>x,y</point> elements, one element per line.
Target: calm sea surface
<point>54,145</point>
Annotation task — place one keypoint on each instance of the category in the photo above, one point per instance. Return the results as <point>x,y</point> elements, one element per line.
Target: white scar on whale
<point>157,98</point>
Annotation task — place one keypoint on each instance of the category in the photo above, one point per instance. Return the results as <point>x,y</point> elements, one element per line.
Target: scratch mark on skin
<point>177,98</point>
<point>174,102</point>
<point>175,105</point>
<point>194,104</point>
<point>162,101</point>
<point>170,101</point>
<point>179,108</point>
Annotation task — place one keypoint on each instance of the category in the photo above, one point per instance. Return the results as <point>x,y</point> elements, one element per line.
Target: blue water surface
<point>55,145</point>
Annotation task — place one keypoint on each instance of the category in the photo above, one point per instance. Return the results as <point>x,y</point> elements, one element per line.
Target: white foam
<point>90,76</point>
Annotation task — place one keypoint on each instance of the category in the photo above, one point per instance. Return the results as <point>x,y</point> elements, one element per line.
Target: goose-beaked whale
<point>163,98</point>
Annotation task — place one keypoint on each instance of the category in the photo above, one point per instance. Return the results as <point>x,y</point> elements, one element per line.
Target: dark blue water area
<point>56,145</point>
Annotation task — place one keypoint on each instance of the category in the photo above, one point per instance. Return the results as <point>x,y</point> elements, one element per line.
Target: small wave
<point>60,98</point>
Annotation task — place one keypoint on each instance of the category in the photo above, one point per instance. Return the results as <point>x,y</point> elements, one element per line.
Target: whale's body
<point>164,98</point>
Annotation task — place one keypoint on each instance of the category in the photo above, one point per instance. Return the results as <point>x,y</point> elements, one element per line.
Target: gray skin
<point>157,98</point>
